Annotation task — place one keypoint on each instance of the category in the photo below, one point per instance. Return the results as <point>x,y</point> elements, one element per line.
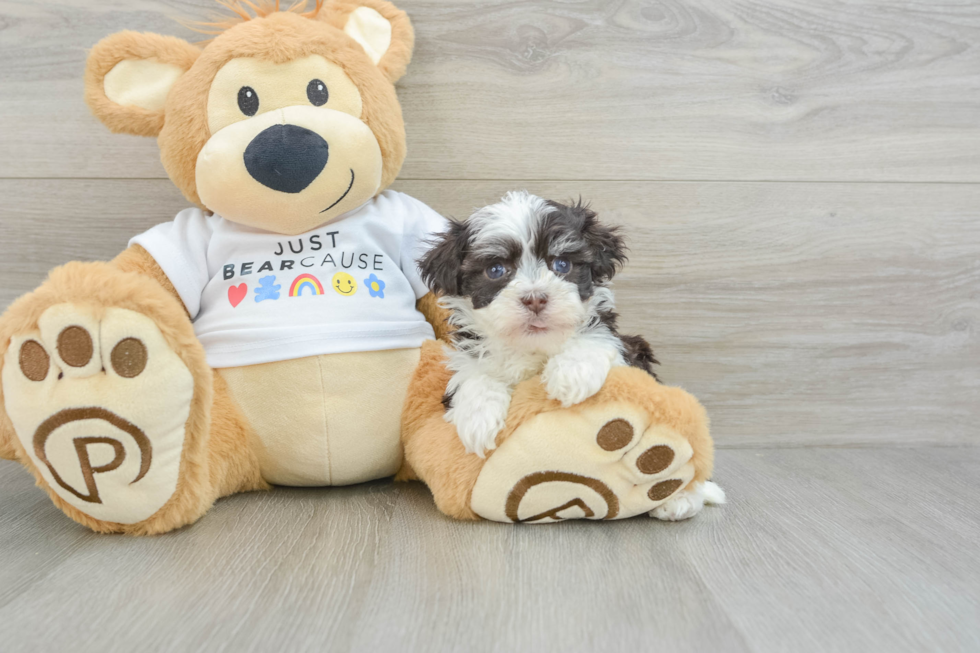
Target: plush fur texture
<point>394,62</point>
<point>435,314</point>
<point>138,260</point>
<point>214,461</point>
<point>277,37</point>
<point>527,283</point>
<point>434,454</point>
<point>131,45</point>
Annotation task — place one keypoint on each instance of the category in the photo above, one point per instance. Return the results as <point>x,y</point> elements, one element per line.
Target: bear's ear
<point>128,77</point>
<point>381,28</point>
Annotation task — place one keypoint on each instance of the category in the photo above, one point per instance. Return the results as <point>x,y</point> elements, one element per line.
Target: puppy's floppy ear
<point>128,77</point>
<point>441,266</point>
<point>608,247</point>
<point>381,28</point>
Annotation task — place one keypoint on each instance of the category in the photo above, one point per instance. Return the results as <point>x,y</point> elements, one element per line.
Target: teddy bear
<point>278,332</point>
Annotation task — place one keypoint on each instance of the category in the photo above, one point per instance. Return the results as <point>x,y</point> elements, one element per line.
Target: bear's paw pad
<point>100,406</point>
<point>602,462</point>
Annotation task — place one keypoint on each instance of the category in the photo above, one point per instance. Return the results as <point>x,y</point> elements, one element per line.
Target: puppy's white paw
<point>478,428</point>
<point>690,502</point>
<point>479,412</point>
<point>712,493</point>
<point>573,378</point>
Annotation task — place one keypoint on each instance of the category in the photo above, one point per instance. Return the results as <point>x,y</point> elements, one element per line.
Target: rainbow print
<point>303,282</point>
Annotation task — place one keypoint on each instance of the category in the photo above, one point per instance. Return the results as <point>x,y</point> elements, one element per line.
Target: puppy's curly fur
<point>527,284</point>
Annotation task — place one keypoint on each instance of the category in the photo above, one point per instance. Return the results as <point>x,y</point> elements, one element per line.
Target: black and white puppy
<point>526,280</point>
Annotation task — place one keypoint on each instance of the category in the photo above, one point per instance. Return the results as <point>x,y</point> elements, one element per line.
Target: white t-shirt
<point>257,297</point>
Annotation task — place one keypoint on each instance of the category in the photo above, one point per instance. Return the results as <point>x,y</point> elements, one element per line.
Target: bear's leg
<point>434,453</point>
<point>109,402</point>
<point>633,448</point>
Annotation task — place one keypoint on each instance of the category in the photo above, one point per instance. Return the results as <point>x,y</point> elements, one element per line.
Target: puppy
<point>527,283</point>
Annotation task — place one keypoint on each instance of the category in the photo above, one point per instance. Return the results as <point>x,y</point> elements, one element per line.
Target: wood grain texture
<point>632,89</point>
<point>799,313</point>
<point>819,550</point>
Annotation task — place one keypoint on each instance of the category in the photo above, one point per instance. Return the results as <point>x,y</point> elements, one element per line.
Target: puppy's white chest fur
<point>514,367</point>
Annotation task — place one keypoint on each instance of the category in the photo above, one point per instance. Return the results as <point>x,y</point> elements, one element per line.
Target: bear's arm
<point>435,315</point>
<point>138,260</point>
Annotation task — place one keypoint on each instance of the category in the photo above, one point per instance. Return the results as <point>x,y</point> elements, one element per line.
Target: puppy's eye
<point>496,271</point>
<point>248,100</point>
<point>317,92</point>
<point>561,266</point>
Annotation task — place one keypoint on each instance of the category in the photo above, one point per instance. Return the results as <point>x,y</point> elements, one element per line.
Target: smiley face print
<point>344,284</point>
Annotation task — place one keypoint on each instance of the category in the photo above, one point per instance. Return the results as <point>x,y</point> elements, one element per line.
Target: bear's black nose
<point>286,158</point>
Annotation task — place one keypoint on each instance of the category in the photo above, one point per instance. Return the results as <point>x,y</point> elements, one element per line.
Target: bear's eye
<point>317,92</point>
<point>248,100</point>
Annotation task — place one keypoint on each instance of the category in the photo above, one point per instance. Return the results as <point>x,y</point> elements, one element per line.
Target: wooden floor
<point>821,549</point>
<point>800,185</point>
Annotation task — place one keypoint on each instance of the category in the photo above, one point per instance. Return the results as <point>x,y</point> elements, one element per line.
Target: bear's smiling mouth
<point>349,186</point>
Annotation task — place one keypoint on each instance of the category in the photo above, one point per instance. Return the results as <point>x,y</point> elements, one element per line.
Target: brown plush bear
<point>271,335</point>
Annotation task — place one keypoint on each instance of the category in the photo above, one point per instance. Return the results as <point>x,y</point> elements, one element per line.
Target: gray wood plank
<point>781,89</point>
<point>819,550</point>
<point>799,313</point>
<point>852,537</point>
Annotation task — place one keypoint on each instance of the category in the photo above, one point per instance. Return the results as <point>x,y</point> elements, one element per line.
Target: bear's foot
<point>601,460</point>
<point>99,402</point>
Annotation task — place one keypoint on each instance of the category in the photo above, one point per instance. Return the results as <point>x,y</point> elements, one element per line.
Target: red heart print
<point>237,293</point>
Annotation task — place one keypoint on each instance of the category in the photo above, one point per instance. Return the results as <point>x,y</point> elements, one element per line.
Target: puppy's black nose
<point>535,303</point>
<point>286,158</point>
